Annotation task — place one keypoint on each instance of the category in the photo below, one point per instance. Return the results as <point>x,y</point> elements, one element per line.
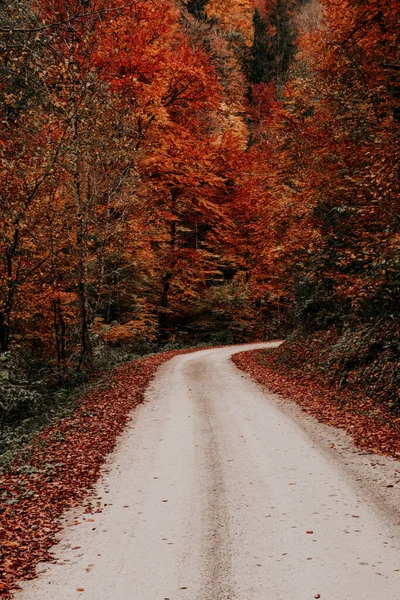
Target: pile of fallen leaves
<point>370,423</point>
<point>60,465</point>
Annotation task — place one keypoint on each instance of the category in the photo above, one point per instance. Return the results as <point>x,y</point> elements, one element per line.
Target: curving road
<point>216,492</point>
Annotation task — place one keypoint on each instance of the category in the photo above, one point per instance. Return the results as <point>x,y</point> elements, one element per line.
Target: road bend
<point>215,492</point>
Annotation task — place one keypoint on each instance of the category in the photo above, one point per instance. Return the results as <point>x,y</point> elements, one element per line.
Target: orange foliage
<point>234,16</point>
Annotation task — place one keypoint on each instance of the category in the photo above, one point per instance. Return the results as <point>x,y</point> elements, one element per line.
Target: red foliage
<point>57,469</point>
<point>371,426</point>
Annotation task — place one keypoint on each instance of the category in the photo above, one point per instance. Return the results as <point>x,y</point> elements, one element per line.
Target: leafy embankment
<point>360,400</point>
<point>57,469</point>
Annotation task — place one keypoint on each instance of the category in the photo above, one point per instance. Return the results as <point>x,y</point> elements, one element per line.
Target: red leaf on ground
<point>370,424</point>
<point>60,465</point>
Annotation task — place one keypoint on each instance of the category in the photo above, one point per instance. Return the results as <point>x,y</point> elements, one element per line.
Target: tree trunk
<point>86,354</point>
<point>163,316</point>
<point>60,335</point>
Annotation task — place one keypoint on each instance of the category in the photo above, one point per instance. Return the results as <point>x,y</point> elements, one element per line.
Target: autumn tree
<point>353,119</point>
<point>30,157</point>
<point>86,170</point>
<point>331,144</point>
<point>180,167</point>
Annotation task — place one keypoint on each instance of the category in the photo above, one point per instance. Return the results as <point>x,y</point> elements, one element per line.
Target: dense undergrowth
<point>363,359</point>
<point>32,398</point>
<point>346,378</point>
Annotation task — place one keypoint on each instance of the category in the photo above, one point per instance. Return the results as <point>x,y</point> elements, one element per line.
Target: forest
<point>180,173</point>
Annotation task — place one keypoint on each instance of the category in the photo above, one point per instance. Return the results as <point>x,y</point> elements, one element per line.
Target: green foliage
<point>314,305</point>
<point>17,397</point>
<point>359,358</point>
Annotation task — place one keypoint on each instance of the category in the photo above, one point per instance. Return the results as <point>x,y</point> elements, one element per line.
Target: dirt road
<point>217,491</point>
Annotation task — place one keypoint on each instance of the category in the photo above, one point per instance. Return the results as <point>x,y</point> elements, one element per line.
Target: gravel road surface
<point>219,490</point>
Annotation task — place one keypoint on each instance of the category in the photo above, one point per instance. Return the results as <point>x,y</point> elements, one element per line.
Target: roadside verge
<point>57,469</point>
<point>372,426</point>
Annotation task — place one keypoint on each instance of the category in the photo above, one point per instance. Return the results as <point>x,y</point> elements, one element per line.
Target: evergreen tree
<point>197,8</point>
<point>274,43</point>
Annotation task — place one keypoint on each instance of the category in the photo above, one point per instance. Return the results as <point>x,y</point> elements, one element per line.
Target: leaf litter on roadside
<point>58,468</point>
<point>370,423</point>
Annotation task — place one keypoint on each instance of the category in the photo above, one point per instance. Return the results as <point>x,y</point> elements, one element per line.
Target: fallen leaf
<point>78,467</point>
